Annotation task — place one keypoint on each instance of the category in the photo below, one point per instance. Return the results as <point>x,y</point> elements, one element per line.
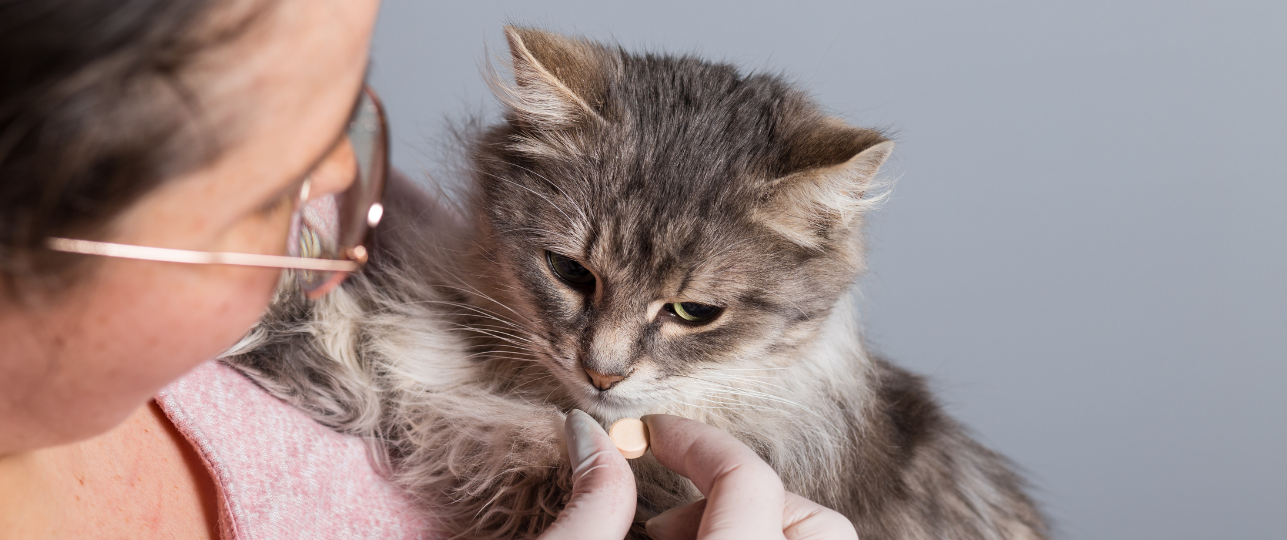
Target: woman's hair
<point>93,114</point>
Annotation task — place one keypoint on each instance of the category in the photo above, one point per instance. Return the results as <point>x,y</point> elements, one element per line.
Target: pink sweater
<point>279,474</point>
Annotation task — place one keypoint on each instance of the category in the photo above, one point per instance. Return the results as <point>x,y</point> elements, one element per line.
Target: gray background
<point>1085,248</point>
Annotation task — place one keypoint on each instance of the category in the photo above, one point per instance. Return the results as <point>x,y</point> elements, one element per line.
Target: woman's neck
<point>141,479</point>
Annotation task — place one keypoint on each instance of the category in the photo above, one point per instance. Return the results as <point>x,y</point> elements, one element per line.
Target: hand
<point>602,505</point>
<point>743,495</point>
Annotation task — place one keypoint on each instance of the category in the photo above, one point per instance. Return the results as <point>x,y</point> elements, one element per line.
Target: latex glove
<point>602,505</point>
<point>744,496</point>
<point>745,499</point>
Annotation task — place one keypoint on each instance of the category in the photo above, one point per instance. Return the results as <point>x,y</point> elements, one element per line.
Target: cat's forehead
<point>679,149</point>
<point>673,135</point>
<point>694,124</point>
<point>670,252</point>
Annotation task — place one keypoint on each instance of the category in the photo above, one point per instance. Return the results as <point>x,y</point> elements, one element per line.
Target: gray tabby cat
<point>645,234</point>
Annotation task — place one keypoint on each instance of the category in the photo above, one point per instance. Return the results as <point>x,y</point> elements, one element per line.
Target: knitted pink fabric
<point>281,475</point>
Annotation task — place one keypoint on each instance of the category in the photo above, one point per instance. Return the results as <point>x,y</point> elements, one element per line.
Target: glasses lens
<point>336,225</point>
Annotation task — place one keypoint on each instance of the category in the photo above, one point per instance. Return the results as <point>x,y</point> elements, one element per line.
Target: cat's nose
<point>602,381</point>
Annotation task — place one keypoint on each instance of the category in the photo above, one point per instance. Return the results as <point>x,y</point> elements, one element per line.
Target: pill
<point>630,436</point>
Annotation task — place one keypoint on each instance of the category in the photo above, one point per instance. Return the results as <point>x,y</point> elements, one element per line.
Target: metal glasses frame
<point>357,254</point>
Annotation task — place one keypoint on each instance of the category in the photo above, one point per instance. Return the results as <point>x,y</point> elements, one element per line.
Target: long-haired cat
<point>644,234</point>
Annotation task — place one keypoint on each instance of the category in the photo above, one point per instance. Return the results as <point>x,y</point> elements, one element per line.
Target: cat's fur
<point>674,179</point>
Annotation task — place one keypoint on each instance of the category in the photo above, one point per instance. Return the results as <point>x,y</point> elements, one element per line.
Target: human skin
<point>81,362</point>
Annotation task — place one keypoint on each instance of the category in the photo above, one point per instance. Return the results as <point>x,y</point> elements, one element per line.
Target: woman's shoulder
<point>280,474</point>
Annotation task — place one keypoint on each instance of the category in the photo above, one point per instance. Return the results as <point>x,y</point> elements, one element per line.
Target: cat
<point>642,234</point>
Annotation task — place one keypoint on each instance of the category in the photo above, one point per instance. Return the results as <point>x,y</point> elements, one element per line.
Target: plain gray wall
<point>1085,247</point>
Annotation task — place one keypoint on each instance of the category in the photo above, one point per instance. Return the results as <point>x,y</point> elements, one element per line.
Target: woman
<point>197,127</point>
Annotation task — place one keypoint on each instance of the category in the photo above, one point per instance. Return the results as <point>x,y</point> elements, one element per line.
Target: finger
<point>803,519</point>
<point>602,505</point>
<point>744,496</point>
<point>679,523</point>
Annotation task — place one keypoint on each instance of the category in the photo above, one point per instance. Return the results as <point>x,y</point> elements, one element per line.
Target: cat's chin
<point>605,406</point>
<point>609,407</point>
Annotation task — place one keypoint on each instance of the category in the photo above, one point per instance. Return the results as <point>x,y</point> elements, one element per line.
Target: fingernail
<point>678,523</point>
<point>579,429</point>
<point>659,523</point>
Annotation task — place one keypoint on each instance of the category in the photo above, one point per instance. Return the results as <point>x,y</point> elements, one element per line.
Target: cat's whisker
<point>505,357</point>
<point>739,395</point>
<point>470,289</point>
<point>493,323</point>
<point>474,290</point>
<point>503,335</point>
<point>497,337</point>
<point>689,405</point>
<point>477,310</point>
<point>526,384</point>
<point>482,251</point>
<point>505,351</point>
<point>516,342</point>
<point>495,332</point>
<point>736,391</point>
<point>753,380</point>
<point>505,348</point>
<point>480,354</point>
<point>718,403</point>
<point>512,350</point>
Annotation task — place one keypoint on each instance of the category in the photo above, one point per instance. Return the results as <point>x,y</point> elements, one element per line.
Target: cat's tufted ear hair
<point>826,181</point>
<point>559,81</point>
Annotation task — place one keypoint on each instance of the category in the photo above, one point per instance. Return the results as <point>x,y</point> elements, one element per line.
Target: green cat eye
<point>693,312</point>
<point>567,269</point>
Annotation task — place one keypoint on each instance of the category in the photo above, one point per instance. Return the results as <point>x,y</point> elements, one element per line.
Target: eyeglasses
<point>327,233</point>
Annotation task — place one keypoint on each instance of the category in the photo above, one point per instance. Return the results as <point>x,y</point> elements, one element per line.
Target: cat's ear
<point>827,183</point>
<point>559,81</point>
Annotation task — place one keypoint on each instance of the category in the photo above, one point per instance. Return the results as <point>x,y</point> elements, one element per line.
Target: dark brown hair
<point>93,115</point>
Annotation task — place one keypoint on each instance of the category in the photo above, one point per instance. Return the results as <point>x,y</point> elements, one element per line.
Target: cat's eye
<point>694,313</point>
<point>569,270</point>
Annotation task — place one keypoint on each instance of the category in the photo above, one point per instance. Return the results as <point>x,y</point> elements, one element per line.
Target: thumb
<point>803,519</point>
<point>603,488</point>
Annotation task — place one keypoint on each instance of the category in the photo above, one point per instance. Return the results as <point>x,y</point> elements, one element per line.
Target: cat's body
<point>647,234</point>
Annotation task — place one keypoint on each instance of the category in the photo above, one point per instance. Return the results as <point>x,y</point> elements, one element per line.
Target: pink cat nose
<point>601,381</point>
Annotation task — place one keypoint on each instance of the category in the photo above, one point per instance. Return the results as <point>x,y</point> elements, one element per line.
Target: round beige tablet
<point>631,437</point>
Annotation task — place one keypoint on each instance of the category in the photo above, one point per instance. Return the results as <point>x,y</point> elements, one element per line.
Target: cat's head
<point>660,224</point>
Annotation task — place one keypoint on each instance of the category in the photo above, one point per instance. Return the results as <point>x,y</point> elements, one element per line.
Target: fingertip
<point>602,504</point>
<point>649,419</point>
<point>669,436</point>
<point>804,519</point>
<point>744,493</point>
<point>585,437</point>
<point>681,523</point>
